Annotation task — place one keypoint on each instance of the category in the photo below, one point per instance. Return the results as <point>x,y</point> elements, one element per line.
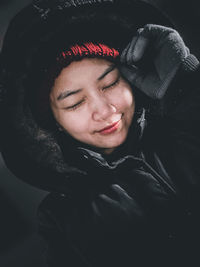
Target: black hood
<point>34,37</point>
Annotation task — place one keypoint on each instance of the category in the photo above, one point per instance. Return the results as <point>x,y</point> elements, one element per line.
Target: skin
<point>101,102</point>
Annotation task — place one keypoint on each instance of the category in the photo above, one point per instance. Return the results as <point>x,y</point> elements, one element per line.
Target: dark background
<point>19,243</point>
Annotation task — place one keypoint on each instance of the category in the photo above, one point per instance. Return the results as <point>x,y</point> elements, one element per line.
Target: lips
<point>109,127</point>
<point>112,126</point>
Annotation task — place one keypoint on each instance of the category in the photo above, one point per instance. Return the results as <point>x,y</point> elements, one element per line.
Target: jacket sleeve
<point>181,102</point>
<point>176,126</point>
<point>59,250</point>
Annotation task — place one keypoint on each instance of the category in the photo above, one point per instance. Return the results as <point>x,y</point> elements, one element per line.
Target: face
<point>93,103</point>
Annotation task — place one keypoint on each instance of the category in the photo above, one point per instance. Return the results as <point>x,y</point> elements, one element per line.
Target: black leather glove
<point>152,59</point>
<point>141,200</point>
<point>117,208</point>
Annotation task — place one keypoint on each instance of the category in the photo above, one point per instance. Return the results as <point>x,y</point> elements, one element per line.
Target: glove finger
<point>130,51</point>
<point>123,54</point>
<point>109,202</point>
<point>149,83</point>
<point>96,209</point>
<point>123,211</point>
<point>108,208</point>
<point>130,73</point>
<point>149,191</point>
<point>128,203</point>
<point>120,192</point>
<point>140,47</point>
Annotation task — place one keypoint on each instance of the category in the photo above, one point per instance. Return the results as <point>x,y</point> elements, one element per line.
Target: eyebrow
<point>108,70</point>
<point>67,93</point>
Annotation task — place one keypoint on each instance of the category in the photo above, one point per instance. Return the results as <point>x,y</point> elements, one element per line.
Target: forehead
<point>86,64</point>
<point>86,70</point>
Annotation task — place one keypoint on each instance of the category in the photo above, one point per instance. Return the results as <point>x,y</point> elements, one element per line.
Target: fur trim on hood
<point>33,39</point>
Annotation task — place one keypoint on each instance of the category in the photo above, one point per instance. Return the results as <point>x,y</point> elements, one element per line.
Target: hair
<point>39,99</point>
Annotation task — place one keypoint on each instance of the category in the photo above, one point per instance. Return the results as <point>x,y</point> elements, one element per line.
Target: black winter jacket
<point>162,174</point>
<point>157,166</point>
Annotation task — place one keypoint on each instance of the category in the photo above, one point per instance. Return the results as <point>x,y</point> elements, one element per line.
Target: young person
<point>102,109</point>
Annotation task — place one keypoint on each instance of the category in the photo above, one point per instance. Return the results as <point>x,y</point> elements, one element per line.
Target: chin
<point>113,144</point>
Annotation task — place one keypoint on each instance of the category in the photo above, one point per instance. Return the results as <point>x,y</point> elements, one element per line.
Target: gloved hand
<point>145,199</point>
<point>117,208</point>
<point>152,58</point>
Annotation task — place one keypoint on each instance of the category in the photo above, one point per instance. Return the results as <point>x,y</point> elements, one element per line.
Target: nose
<point>102,109</point>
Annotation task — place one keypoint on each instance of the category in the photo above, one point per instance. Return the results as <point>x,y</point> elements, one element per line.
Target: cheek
<point>128,99</point>
<point>123,99</point>
<point>73,122</point>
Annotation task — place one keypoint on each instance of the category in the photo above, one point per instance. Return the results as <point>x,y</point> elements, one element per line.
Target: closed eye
<point>76,105</point>
<point>104,88</point>
<point>112,84</point>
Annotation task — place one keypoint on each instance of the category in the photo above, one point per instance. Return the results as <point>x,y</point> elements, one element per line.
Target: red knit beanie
<point>89,49</point>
